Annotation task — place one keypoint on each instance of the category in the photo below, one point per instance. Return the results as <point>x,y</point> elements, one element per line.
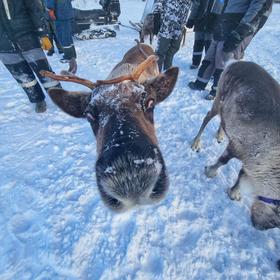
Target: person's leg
<point>50,35</point>
<point>38,62</point>
<point>197,49</point>
<point>23,74</point>
<point>173,49</point>
<point>54,36</point>
<point>162,47</point>
<point>64,33</point>
<point>206,69</point>
<point>208,37</point>
<point>220,61</point>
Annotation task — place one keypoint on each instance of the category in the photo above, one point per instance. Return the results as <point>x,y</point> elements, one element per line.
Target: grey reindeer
<point>130,169</point>
<point>248,102</point>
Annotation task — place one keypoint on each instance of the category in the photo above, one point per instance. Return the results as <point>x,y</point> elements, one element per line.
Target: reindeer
<point>147,28</point>
<point>248,102</point>
<point>130,169</point>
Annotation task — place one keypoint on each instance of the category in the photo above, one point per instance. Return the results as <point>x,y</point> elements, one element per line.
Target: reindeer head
<point>130,169</point>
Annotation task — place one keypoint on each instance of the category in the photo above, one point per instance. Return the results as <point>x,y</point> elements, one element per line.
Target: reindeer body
<point>147,28</point>
<point>248,103</point>
<point>132,59</point>
<point>130,169</point>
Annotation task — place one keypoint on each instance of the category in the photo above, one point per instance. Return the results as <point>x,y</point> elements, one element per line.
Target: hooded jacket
<point>174,15</point>
<point>22,22</point>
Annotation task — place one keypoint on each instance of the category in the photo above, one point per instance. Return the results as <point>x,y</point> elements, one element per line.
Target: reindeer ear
<point>163,84</point>
<point>73,103</point>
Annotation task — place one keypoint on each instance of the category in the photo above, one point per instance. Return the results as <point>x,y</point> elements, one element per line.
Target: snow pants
<point>24,66</point>
<point>166,50</point>
<point>215,59</point>
<point>64,34</point>
<point>202,40</point>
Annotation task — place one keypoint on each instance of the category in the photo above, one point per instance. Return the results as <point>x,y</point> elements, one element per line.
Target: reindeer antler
<point>137,72</point>
<point>130,77</point>
<point>69,78</point>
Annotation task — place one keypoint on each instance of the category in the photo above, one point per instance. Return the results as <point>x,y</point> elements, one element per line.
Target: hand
<point>46,43</point>
<point>52,15</point>
<point>232,42</point>
<point>190,23</point>
<point>236,37</point>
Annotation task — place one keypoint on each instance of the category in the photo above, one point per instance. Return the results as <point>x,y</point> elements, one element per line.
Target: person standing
<point>173,15</point>
<point>52,33</point>
<point>61,12</point>
<point>240,22</point>
<point>203,18</point>
<point>22,34</point>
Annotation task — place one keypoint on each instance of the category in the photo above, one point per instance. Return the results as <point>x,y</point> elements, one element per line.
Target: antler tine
<point>150,60</point>
<point>69,78</point>
<point>135,74</point>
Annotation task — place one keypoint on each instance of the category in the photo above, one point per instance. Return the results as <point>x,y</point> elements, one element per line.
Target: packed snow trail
<point>53,224</point>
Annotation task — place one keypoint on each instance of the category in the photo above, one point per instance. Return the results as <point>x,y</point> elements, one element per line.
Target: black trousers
<point>25,67</point>
<point>202,41</point>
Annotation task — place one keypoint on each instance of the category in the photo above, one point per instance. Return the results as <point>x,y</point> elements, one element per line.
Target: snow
<point>53,224</point>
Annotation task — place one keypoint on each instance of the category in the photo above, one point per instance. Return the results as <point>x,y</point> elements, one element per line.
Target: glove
<point>236,36</point>
<point>156,23</point>
<point>232,42</point>
<point>52,14</point>
<point>190,23</point>
<point>46,43</point>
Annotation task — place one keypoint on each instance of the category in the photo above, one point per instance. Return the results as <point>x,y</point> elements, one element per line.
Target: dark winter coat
<point>205,14</point>
<point>63,9</point>
<point>22,22</point>
<point>243,17</point>
<point>174,14</point>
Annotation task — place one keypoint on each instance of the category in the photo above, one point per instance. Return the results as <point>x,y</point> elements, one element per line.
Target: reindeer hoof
<point>196,145</point>
<point>210,171</point>
<point>234,194</point>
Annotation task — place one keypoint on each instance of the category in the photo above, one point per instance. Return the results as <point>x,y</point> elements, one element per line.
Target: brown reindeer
<point>248,103</point>
<point>130,169</point>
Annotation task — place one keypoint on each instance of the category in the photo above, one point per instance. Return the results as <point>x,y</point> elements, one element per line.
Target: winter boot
<point>41,107</point>
<point>194,66</point>
<point>197,85</point>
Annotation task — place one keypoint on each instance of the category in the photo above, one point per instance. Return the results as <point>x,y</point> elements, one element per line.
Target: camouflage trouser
<point>201,40</point>
<point>23,65</point>
<point>166,50</point>
<point>215,59</point>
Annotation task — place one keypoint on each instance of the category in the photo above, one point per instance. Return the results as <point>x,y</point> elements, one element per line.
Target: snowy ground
<point>53,224</point>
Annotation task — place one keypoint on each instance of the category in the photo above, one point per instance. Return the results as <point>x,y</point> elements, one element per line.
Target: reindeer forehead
<point>116,95</point>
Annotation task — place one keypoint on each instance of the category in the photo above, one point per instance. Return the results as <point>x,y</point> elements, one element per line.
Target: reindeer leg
<point>234,192</point>
<point>211,114</point>
<point>220,134</point>
<point>211,171</point>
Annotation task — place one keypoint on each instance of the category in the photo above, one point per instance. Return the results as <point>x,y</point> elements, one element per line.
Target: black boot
<point>41,107</point>
<point>197,85</point>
